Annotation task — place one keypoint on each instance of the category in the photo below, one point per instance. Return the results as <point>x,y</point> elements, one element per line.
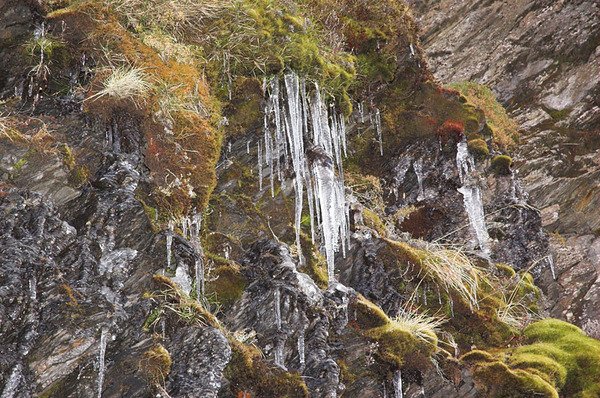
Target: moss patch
<point>501,164</point>
<point>556,357</point>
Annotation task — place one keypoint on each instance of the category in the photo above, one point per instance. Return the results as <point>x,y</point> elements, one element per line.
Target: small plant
<point>125,82</point>
<point>453,270</point>
<point>421,325</point>
<point>451,130</point>
<point>156,364</point>
<point>501,164</point>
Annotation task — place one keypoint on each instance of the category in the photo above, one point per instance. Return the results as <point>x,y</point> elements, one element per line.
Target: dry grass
<point>422,326</point>
<point>123,82</point>
<point>453,270</point>
<point>174,16</point>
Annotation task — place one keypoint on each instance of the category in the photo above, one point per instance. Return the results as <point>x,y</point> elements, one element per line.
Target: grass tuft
<point>123,82</point>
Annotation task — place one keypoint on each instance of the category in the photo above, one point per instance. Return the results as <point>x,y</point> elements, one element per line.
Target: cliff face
<point>542,59</point>
<point>263,198</point>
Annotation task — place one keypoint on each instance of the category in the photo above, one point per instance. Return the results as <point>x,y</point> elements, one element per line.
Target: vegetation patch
<point>505,130</point>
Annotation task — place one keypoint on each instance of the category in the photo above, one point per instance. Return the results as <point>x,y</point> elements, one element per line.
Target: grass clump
<point>122,83</point>
<point>408,339</point>
<point>505,130</point>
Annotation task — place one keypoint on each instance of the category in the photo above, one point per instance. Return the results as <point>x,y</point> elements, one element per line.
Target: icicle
<point>169,243</point>
<point>101,364</point>
<point>301,354</point>
<point>248,146</point>
<point>14,380</point>
<point>260,171</point>
<point>398,393</point>
<point>550,260</point>
<point>297,150</point>
<point>378,129</point>
<point>418,167</point>
<point>279,354</point>
<point>278,308</point>
<point>472,195</point>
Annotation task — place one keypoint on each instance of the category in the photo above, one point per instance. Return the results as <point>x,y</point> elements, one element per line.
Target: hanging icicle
<point>296,123</point>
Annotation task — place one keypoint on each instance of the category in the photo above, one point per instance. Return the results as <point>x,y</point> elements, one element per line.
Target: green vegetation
<point>155,364</point>
<point>505,130</point>
<point>478,148</point>
<point>556,357</point>
<point>501,164</point>
<point>403,341</point>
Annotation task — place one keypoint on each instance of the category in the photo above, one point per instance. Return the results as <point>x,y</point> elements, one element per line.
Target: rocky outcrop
<point>542,60</point>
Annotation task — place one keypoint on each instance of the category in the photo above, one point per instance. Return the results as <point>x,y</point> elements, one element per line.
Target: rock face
<point>542,59</point>
<point>115,284</point>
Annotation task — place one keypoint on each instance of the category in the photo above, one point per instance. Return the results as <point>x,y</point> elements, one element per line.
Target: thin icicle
<point>378,129</point>
<point>398,392</point>
<point>301,354</point>
<point>170,242</point>
<point>278,308</point>
<point>101,359</point>
<point>260,171</point>
<point>550,260</point>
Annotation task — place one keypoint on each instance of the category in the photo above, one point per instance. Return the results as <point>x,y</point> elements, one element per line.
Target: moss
<point>151,319</point>
<point>248,372</point>
<point>501,164</point>
<point>478,148</point>
<point>181,164</point>
<point>244,110</point>
<point>373,221</point>
<point>181,305</point>
<point>395,343</point>
<point>155,364</point>
<point>556,357</point>
<point>369,315</point>
<point>477,356</point>
<point>503,128</point>
<point>228,285</point>
<point>502,382</point>
<point>316,265</point>
<point>505,269</point>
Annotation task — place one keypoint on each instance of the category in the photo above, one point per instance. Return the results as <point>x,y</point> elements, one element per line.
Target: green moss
<point>502,382</point>
<point>478,148</point>
<point>504,130</point>
<point>549,369</point>
<point>501,164</point>
<point>316,265</point>
<point>156,364</point>
<point>477,356</point>
<point>248,372</point>
<point>556,357</point>
<point>373,221</point>
<point>505,269</point>
<point>151,319</point>
<point>395,343</point>
<point>369,315</point>
<point>228,284</point>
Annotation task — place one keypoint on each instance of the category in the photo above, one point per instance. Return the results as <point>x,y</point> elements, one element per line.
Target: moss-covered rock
<point>501,164</point>
<point>556,357</point>
<point>478,148</point>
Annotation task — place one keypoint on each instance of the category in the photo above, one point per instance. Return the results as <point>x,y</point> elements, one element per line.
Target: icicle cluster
<point>190,229</point>
<point>472,195</point>
<point>302,132</point>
